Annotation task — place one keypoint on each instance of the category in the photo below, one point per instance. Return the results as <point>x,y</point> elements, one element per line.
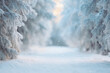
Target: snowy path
<point>56,60</point>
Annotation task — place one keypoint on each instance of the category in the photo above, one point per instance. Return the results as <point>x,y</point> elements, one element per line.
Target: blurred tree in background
<point>37,29</point>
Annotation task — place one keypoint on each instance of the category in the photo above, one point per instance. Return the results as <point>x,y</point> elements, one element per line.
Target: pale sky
<point>58,9</point>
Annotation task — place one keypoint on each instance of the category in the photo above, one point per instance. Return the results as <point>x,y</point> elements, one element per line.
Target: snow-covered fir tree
<point>38,28</point>
<point>95,25</point>
<point>12,15</point>
<point>88,25</point>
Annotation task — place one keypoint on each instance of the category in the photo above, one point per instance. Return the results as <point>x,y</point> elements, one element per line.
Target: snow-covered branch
<point>12,15</point>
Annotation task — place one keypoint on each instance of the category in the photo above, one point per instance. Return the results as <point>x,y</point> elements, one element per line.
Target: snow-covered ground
<point>56,60</point>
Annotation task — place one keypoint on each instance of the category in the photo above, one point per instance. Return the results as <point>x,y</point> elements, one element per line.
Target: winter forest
<point>55,36</point>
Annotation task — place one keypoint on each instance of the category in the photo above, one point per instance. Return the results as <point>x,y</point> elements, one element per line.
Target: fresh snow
<point>56,60</point>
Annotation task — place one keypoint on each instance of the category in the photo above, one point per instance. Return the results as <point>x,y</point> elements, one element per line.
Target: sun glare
<point>58,9</point>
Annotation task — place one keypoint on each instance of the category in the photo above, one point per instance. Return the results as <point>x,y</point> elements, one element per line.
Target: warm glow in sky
<point>58,9</point>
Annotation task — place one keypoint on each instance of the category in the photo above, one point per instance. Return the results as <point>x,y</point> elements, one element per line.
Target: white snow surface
<point>56,60</point>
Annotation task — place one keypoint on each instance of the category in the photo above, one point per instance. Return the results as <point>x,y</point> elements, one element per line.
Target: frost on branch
<point>12,15</point>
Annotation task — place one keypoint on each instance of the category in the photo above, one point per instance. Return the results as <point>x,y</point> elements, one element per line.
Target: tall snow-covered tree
<point>90,25</point>
<point>12,15</point>
<point>95,24</point>
<point>70,23</point>
<point>38,29</point>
